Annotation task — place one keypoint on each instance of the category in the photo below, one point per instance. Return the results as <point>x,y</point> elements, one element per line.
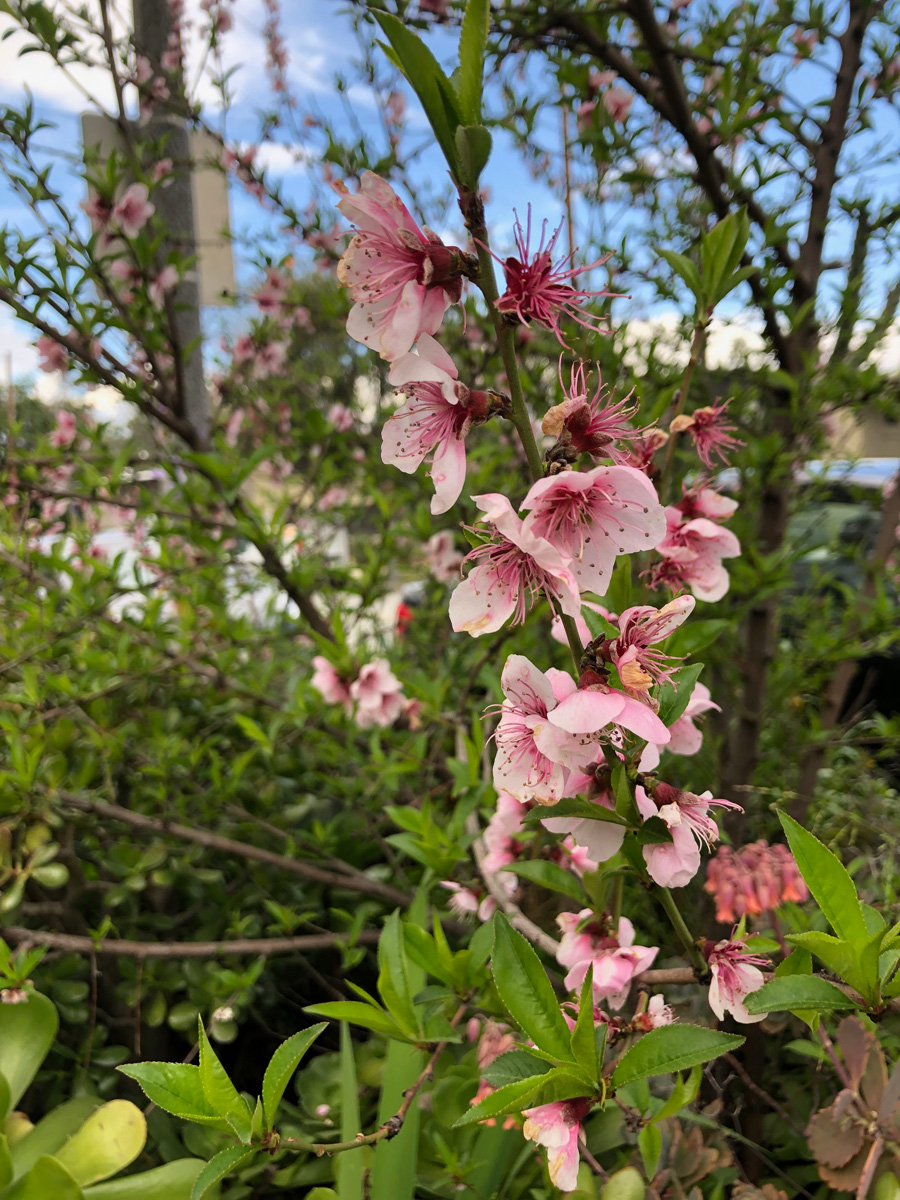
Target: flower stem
<point>678,924</point>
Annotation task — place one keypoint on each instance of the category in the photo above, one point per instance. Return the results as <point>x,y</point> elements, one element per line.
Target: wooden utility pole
<point>175,211</point>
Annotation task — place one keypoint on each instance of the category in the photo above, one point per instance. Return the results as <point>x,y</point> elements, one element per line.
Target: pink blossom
<point>133,211</point>
<point>711,431</point>
<point>270,295</point>
<point>735,973</point>
<point>97,210</point>
<point>674,864</point>
<point>402,279</point>
<point>500,839</point>
<point>539,290</point>
<point>590,426</point>
<point>467,903</point>
<point>233,427</point>
<point>162,170</point>
<point>340,417</point>
<point>594,706</point>
<point>615,958</point>
<point>54,356</point>
<point>513,566</point>
<point>656,1014</point>
<point>558,1127</point>
<point>591,516</point>
<point>644,449</point>
<point>640,666</point>
<point>434,420</point>
<point>617,103</point>
<point>600,839</point>
<point>328,682</point>
<point>705,502</point>
<point>333,498</point>
<point>162,284</point>
<point>244,349</point>
<point>693,552</point>
<point>442,556</point>
<point>534,758</point>
<point>66,428</point>
<point>686,737</point>
<point>378,694</point>
<point>270,360</point>
<point>495,1040</point>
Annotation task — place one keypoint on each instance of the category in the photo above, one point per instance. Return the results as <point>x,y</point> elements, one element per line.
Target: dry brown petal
<point>832,1140</point>
<point>746,1191</point>
<point>554,419</point>
<point>680,423</point>
<point>874,1078</point>
<point>855,1042</point>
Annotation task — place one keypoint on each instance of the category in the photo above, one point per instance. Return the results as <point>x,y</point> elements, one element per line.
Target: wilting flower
<point>675,863</point>
<point>133,211</point>
<point>614,957</point>
<point>332,687</point>
<point>512,567</point>
<point>378,694</point>
<point>735,973</point>
<point>754,879</point>
<point>640,666</point>
<point>537,289</point>
<point>590,426</point>
<point>711,431</point>
<point>693,552</point>
<point>534,758</point>
<point>442,556</point>
<point>591,516</point>
<point>402,279</point>
<point>467,903</point>
<point>54,356</point>
<point>558,1127</point>
<point>434,420</point>
<point>656,1014</point>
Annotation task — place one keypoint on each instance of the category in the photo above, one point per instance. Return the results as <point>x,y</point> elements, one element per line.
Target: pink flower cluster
<point>755,879</point>
<point>375,696</point>
<point>695,545</point>
<point>686,816</point>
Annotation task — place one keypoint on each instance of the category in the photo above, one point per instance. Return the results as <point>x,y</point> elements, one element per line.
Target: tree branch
<point>123,948</point>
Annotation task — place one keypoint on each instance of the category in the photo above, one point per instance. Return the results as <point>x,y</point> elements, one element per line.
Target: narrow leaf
<point>672,1048</point>
<point>472,43</point>
<point>232,1158</point>
<point>526,991</point>
<point>793,992</point>
<point>828,880</point>
<point>281,1068</point>
<point>549,875</point>
<point>219,1091</point>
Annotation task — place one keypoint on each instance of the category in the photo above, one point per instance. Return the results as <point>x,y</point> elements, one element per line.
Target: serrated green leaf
<point>511,1067</point>
<point>828,880</point>
<point>576,807</point>
<point>472,43</point>
<point>675,695</point>
<point>175,1088</point>
<point>672,1048</point>
<point>473,147</point>
<point>358,1013</point>
<point>281,1068</point>
<point>797,992</point>
<point>582,1039</point>
<point>548,875</point>
<point>838,956</point>
<point>393,976</point>
<point>686,270</point>
<point>221,1165</point>
<point>218,1089</point>
<point>557,1084</point>
<point>526,992</point>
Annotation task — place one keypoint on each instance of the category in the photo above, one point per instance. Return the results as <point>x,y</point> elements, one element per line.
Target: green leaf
<point>232,1158</point>
<point>472,44</point>
<point>176,1088</point>
<point>348,1168</point>
<point>393,976</point>
<point>694,636</point>
<point>792,992</point>
<point>4,1099</point>
<point>51,1132</point>
<point>46,1179</point>
<point>675,695</point>
<point>281,1068</point>
<point>427,80</point>
<point>682,1094</point>
<point>650,1145</point>
<point>6,1167</point>
<point>624,794</point>
<point>26,1035</point>
<point>556,1084</point>
<point>582,1039</point>
<point>358,1013</point>
<point>672,1048</point>
<point>828,880</point>
<point>720,254</point>
<point>598,625</point>
<point>686,270</point>
<point>511,1067</point>
<point>576,807</point>
<point>526,991</point>
<point>108,1142</point>
<point>173,1181</point>
<point>423,950</point>
<point>799,962</point>
<point>218,1089</point>
<point>473,146</point>
<point>549,875</point>
<point>838,956</point>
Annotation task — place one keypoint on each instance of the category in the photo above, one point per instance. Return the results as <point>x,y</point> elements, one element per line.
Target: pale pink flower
<point>558,1127</point>
<point>327,681</point>
<point>133,211</point>
<point>500,839</point>
<point>513,566</point>
<point>656,1014</point>
<point>244,349</point>
<point>162,284</point>
<point>233,427</point>
<point>97,210</point>
<point>495,1039</point>
<point>434,420</point>
<point>735,973</point>
<point>402,279</point>
<point>270,359</point>
<point>442,556</point>
<point>378,694</point>
<point>674,864</point>
<point>333,497</point>
<point>617,102</point>
<point>467,903</point>
<point>591,516</point>
<point>54,356</point>
<point>693,552</point>
<point>590,426</point>
<point>271,294</point>
<point>340,417</point>
<point>615,958</point>
<point>162,169</point>
<point>576,857</point>
<point>640,666</point>
<point>594,706</point>
<point>539,290</point>
<point>534,758</point>
<point>705,502</point>
<point>66,428</point>
<point>711,431</point>
<point>686,738</point>
<point>599,839</point>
